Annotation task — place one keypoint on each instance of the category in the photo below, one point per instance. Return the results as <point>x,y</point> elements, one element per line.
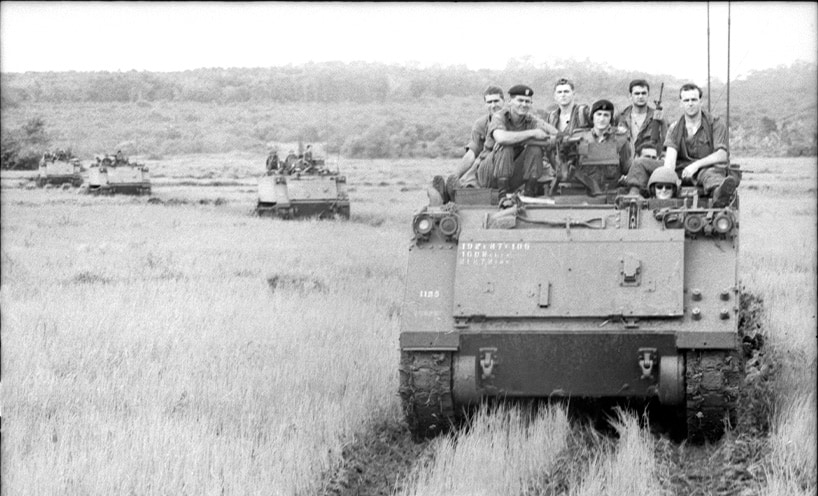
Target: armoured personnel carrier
<point>117,174</point>
<point>59,168</point>
<point>571,295</point>
<point>303,189</point>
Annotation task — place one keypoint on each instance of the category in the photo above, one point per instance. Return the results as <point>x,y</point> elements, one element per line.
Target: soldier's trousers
<point>515,163</point>
<point>709,178</point>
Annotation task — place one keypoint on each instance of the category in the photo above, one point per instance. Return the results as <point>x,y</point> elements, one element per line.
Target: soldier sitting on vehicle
<point>308,156</point>
<point>647,150</point>
<point>290,162</point>
<point>696,149</point>
<point>466,174</point>
<point>606,143</point>
<point>119,158</point>
<point>272,161</point>
<point>511,163</point>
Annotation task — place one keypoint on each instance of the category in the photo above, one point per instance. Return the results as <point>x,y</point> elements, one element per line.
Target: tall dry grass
<point>629,468</point>
<point>157,350</point>
<point>778,263</point>
<point>188,349</point>
<point>502,452</point>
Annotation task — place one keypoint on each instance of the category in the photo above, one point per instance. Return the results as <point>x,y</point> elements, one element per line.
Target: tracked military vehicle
<point>303,190</point>
<point>110,175</point>
<point>571,295</point>
<point>59,168</point>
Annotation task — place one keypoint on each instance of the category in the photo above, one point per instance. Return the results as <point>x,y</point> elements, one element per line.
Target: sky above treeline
<point>655,37</point>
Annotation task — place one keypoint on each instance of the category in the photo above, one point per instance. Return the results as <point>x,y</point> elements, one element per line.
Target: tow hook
<point>647,360</point>
<point>487,361</point>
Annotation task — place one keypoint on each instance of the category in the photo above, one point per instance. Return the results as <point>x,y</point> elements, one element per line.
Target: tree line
<point>758,125</point>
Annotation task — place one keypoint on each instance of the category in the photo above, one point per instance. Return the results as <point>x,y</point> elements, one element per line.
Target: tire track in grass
<point>377,462</point>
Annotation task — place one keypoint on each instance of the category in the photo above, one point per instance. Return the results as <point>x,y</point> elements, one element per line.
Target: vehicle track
<point>378,462</point>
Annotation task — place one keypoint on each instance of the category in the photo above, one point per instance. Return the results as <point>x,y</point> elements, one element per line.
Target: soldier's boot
<point>451,185</point>
<point>723,193</point>
<point>439,184</point>
<point>502,185</point>
<point>531,187</point>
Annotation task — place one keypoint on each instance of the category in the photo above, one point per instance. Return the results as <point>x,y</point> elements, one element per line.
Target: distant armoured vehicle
<point>59,168</point>
<point>571,295</point>
<point>304,188</point>
<point>117,174</point>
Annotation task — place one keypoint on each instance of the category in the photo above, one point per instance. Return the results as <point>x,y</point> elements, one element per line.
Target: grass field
<point>178,345</point>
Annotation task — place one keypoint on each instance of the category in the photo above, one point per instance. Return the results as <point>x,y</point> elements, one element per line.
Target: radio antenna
<point>728,76</point>
<point>708,57</point>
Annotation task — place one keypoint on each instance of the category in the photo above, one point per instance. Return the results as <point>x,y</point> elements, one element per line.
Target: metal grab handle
<point>595,223</point>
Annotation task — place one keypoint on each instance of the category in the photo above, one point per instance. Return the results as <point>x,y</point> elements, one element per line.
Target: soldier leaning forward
<point>510,163</point>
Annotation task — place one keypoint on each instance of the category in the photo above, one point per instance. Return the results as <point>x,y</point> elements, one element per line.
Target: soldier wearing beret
<point>508,162</point>
<point>609,143</point>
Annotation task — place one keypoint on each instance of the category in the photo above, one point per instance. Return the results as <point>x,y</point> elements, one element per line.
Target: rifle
<point>656,126</point>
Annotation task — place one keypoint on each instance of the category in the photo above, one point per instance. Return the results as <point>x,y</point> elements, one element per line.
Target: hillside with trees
<point>356,109</point>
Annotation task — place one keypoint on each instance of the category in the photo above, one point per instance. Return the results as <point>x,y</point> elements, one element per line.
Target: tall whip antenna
<point>708,57</point>
<point>728,76</point>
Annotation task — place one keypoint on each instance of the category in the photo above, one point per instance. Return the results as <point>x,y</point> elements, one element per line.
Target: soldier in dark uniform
<point>119,158</point>
<point>639,120</point>
<point>510,163</point>
<point>272,161</point>
<point>696,148</point>
<point>308,156</point>
<point>290,161</point>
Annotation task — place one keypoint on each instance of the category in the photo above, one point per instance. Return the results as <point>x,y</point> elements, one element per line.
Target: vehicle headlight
<point>694,223</point>
<point>423,225</point>
<point>449,225</point>
<point>723,223</point>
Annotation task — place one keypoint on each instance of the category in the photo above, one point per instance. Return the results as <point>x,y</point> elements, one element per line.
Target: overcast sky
<point>658,37</point>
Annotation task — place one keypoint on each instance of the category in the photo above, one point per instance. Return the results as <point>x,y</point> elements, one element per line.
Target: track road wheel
<point>426,392</point>
<point>713,379</point>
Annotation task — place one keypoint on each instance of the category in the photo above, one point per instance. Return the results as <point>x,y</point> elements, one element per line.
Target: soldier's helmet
<point>664,175</point>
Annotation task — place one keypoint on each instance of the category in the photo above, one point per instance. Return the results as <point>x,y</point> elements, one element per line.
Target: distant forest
<point>357,109</point>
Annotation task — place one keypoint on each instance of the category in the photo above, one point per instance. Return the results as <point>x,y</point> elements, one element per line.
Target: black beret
<point>520,89</point>
<point>601,105</point>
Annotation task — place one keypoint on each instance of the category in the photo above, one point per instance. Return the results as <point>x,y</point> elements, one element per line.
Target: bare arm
<point>465,163</point>
<point>503,137</point>
<point>670,157</point>
<point>717,157</point>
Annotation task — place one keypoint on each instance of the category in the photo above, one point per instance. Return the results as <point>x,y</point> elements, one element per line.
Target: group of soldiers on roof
<point>506,148</point>
<point>292,163</point>
<point>60,154</point>
<point>112,161</point>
